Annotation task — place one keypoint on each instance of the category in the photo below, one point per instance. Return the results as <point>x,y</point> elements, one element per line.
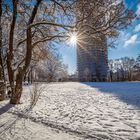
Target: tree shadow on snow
<point>128,92</point>
<point>5,108</point>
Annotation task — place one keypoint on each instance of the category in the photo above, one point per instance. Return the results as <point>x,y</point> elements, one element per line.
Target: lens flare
<point>73,39</point>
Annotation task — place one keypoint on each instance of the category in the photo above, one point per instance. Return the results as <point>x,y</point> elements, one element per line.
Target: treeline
<point>124,69</point>
<point>52,69</point>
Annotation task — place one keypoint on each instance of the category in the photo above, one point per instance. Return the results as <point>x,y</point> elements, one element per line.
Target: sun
<point>76,39</point>
<point>73,39</point>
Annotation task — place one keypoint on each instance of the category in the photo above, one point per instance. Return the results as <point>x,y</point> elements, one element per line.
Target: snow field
<point>87,110</point>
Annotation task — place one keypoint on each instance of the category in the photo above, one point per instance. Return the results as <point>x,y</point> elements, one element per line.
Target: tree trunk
<point>16,93</point>
<point>31,75</point>
<point>15,99</point>
<point>2,77</point>
<point>2,91</point>
<point>10,48</point>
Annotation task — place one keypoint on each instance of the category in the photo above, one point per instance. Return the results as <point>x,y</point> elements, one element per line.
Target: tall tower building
<point>92,60</point>
<point>92,55</point>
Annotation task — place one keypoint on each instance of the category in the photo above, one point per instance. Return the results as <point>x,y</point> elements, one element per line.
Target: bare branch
<point>48,38</point>
<point>51,24</point>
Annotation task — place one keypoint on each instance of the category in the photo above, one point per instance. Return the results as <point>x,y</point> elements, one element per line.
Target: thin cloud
<point>124,35</point>
<point>138,10</point>
<point>137,28</point>
<point>132,40</point>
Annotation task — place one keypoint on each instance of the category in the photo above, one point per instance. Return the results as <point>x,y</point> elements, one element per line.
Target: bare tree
<point>52,69</point>
<point>137,68</point>
<point>102,17</point>
<point>32,24</point>
<point>33,21</point>
<point>122,69</point>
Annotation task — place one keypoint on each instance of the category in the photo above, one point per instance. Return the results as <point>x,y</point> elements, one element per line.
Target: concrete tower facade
<point>92,54</point>
<point>92,61</point>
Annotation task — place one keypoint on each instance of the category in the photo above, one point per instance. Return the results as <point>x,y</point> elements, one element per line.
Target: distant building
<point>92,61</point>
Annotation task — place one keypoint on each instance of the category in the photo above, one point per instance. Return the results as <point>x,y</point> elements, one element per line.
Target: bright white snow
<point>77,111</point>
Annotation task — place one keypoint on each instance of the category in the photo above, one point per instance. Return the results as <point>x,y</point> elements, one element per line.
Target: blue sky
<point>127,44</point>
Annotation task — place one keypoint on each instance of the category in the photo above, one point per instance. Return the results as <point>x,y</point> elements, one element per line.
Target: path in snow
<point>89,110</point>
<point>25,129</point>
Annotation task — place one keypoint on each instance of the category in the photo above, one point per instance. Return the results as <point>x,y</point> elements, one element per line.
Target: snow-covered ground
<point>76,111</point>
